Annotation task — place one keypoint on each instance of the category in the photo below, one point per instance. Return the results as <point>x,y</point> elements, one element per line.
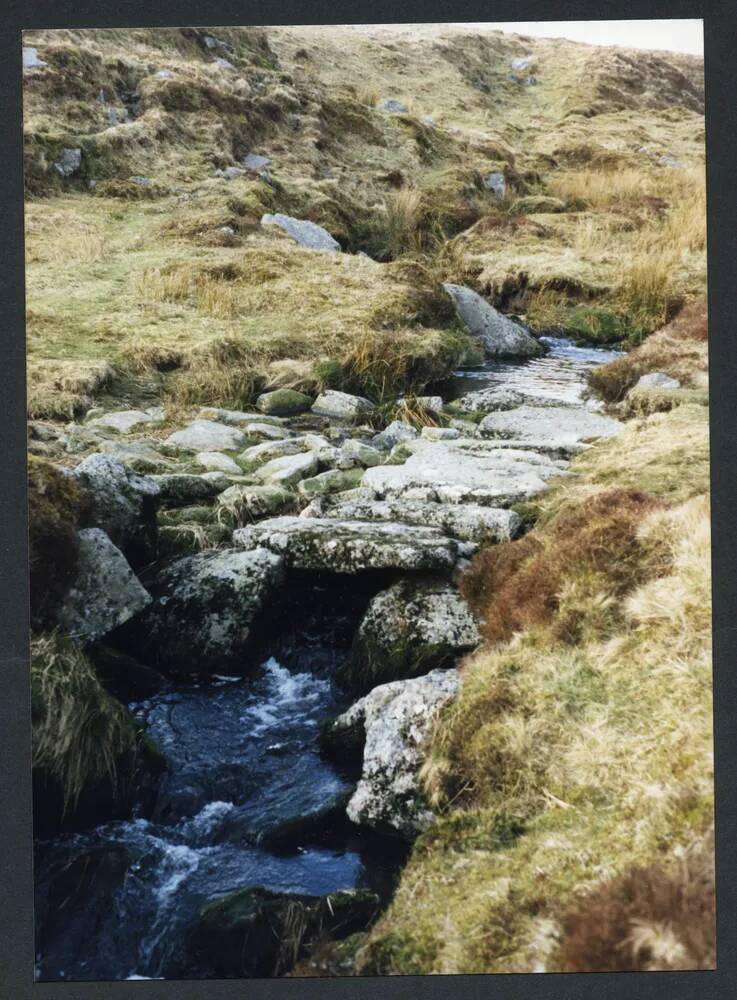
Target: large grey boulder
<point>307,234</point>
<point>351,546</point>
<point>396,432</point>
<point>342,406</point>
<point>258,454</point>
<point>464,471</point>
<point>500,336</point>
<point>124,421</point>
<point>566,428</point>
<point>106,592</point>
<point>466,522</point>
<point>204,609</point>
<point>410,629</point>
<point>394,721</point>
<point>123,504</point>
<point>207,435</point>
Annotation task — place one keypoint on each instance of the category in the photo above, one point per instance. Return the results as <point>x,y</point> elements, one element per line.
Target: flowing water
<point>247,800</point>
<point>559,375</point>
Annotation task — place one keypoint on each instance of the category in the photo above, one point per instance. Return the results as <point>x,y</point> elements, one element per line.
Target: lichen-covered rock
<point>123,504</point>
<point>395,721</point>
<point>467,522</point>
<point>289,470</point>
<point>204,610</point>
<point>463,471</point>
<point>332,481</point>
<point>216,461</point>
<point>283,402</point>
<point>30,58</point>
<point>496,182</point>
<point>266,432</point>
<point>106,592</point>
<point>500,336</point>
<point>307,234</point>
<point>124,421</point>
<point>566,428</point>
<point>432,403</point>
<point>342,406</point>
<point>410,629</point>
<point>396,432</point>
<point>207,435</point>
<point>350,546</point>
<point>496,398</point>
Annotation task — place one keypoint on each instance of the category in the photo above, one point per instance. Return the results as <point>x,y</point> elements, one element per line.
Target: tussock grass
<point>558,767</point>
<point>62,389</point>
<point>585,558</point>
<point>80,733</point>
<point>648,918</point>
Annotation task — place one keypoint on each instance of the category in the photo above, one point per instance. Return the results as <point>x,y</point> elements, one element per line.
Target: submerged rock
<point>204,609</point>
<point>106,592</point>
<point>307,234</point>
<point>566,428</point>
<point>410,629</point>
<point>467,522</point>
<point>500,336</point>
<point>342,406</point>
<point>207,435</point>
<point>394,721</point>
<point>350,546</point>
<point>123,504</point>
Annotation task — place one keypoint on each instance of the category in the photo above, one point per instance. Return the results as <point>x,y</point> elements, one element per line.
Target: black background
<point>16,916</point>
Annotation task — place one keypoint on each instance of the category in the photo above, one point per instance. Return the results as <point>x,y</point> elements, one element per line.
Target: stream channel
<point>248,799</point>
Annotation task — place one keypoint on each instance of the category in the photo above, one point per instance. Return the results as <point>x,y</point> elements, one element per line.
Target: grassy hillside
<point>594,233</point>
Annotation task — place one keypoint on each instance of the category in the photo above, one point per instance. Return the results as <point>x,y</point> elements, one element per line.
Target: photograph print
<point>368,481</point>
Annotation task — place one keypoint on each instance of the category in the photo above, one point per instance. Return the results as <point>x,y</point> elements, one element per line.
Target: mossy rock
<point>258,933</point>
<point>57,506</point>
<point>283,403</point>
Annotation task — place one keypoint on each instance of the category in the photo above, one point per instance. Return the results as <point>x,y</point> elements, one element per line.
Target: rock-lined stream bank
<point>334,572</point>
